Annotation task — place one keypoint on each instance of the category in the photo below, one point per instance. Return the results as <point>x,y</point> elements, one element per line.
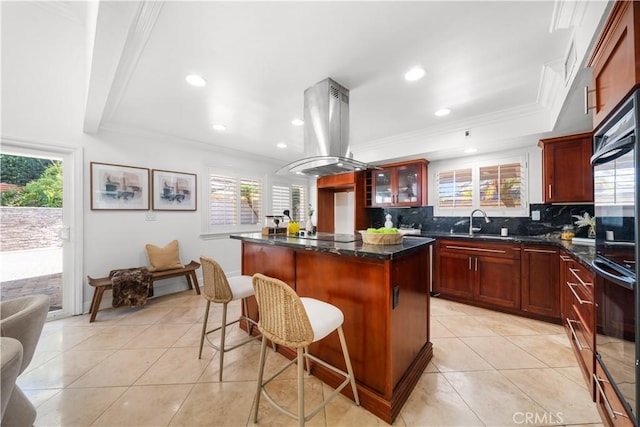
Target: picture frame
<point>174,191</point>
<point>119,187</point>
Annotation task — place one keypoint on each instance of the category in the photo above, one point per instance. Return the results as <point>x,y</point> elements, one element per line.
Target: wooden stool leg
<point>347,361</point>
<point>263,353</point>
<point>95,305</point>
<point>194,280</point>
<point>204,328</point>
<point>301,358</point>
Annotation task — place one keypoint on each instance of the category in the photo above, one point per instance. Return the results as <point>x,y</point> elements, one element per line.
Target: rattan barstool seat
<point>289,320</point>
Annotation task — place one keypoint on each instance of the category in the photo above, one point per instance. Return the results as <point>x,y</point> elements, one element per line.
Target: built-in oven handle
<point>613,150</point>
<point>625,281</point>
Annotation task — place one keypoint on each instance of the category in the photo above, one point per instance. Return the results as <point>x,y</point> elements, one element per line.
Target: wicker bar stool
<point>295,322</point>
<point>220,289</point>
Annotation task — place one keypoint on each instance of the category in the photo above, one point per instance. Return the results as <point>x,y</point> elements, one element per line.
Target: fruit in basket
<point>382,230</point>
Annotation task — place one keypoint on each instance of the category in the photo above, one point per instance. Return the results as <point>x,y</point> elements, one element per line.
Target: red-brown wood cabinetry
<point>615,59</point>
<point>539,280</point>
<point>611,409</point>
<point>328,186</point>
<point>398,184</point>
<point>577,287</point>
<point>567,176</point>
<point>486,273</point>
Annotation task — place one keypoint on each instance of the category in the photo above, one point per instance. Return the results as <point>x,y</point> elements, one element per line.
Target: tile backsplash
<point>552,219</point>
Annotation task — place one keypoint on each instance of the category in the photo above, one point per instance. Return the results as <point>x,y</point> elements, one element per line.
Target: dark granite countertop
<point>341,244</point>
<point>582,253</point>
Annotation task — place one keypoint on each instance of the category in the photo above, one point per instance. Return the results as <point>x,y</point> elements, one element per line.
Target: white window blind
<point>223,201</point>
<point>455,188</point>
<point>250,202</point>
<point>280,199</point>
<point>298,203</point>
<point>234,201</point>
<point>291,197</point>
<point>501,186</point>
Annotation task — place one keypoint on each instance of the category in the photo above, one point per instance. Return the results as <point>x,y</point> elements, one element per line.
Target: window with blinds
<point>280,199</point>
<point>501,186</point>
<point>298,203</point>
<point>291,197</point>
<point>455,189</point>
<point>497,186</point>
<point>234,201</point>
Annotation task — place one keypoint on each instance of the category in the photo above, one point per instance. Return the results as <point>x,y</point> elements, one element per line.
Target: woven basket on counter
<point>381,238</point>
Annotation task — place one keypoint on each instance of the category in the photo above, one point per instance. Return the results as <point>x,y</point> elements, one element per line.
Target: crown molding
<point>566,14</point>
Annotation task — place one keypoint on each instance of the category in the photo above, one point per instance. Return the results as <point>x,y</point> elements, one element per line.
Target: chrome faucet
<point>486,219</point>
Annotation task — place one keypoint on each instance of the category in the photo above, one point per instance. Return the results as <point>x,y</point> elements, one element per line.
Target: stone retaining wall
<point>23,228</point>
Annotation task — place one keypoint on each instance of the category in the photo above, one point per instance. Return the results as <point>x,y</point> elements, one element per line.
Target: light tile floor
<point>140,367</point>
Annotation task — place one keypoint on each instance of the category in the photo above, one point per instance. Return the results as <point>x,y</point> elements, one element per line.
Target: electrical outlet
<point>151,216</point>
<point>535,215</point>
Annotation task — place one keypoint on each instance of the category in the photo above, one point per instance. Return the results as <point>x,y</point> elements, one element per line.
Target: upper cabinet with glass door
<point>398,184</point>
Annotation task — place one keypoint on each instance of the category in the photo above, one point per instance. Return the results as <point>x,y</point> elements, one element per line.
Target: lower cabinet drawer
<point>582,346</point>
<point>611,408</point>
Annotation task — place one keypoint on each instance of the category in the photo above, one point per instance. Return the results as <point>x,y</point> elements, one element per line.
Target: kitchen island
<point>383,291</point>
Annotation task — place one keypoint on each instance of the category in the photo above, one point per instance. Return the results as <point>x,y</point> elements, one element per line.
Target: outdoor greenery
<point>44,191</point>
<point>21,170</point>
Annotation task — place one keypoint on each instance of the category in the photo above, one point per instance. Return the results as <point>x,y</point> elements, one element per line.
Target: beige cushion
<point>167,258</point>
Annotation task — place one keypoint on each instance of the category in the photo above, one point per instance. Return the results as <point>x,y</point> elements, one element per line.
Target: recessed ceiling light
<point>442,112</point>
<point>219,127</point>
<point>297,122</point>
<point>416,73</point>
<point>281,145</point>
<point>470,150</point>
<point>195,80</point>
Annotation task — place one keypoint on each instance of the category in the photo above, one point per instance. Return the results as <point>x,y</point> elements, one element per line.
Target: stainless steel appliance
<point>615,162</point>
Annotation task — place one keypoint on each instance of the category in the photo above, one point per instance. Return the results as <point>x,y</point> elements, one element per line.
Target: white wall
<point>43,89</point>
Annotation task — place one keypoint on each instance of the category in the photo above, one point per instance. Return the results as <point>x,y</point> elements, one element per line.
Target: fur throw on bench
<point>131,286</point>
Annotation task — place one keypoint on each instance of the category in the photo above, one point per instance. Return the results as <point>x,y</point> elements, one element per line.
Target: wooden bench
<point>103,283</point>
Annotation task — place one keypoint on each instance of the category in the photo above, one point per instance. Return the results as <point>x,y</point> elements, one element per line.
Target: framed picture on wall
<point>174,191</point>
<point>119,187</point>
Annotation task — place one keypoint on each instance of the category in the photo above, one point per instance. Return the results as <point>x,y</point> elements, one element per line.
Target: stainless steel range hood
<point>326,133</point>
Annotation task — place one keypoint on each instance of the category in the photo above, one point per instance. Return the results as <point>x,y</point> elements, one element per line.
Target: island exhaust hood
<point>326,133</point>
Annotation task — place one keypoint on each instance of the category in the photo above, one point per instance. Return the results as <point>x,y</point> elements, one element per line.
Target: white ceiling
<point>493,63</point>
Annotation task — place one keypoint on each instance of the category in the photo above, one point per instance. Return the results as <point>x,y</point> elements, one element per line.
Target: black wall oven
<point>615,162</point>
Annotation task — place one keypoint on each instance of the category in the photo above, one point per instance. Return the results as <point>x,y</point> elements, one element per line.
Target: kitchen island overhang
<point>383,291</point>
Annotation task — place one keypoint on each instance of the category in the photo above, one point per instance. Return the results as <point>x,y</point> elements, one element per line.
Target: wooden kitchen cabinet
<point>398,184</point>
<point>615,60</point>
<point>567,176</point>
<point>539,280</point>
<point>328,186</point>
<point>611,409</point>
<point>482,272</point>
<point>579,318</point>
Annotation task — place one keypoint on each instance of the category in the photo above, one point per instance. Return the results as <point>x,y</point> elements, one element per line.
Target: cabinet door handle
<point>550,191</point>
<point>612,413</point>
<point>580,300</point>
<point>573,332</point>
<point>476,264</point>
<point>583,283</point>
<point>542,251</point>
<point>565,258</point>
<point>469,263</point>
